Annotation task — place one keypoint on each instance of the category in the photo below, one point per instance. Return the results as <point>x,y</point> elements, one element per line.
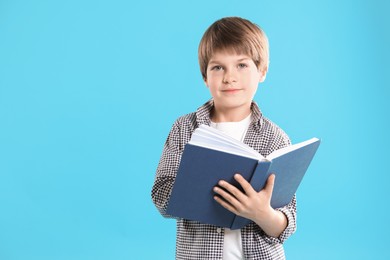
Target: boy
<point>233,59</point>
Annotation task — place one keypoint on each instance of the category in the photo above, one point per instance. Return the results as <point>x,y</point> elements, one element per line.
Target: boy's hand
<point>252,205</point>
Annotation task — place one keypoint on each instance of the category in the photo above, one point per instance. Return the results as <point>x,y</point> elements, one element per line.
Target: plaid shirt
<point>200,241</point>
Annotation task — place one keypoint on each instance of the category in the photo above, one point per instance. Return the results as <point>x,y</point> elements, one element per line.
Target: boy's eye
<point>216,68</point>
<point>242,65</point>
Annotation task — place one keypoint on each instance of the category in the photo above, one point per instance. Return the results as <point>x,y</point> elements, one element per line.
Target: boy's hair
<point>234,34</point>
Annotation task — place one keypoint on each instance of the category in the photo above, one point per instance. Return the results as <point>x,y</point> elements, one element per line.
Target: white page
<point>208,137</point>
<point>290,148</point>
<point>213,138</point>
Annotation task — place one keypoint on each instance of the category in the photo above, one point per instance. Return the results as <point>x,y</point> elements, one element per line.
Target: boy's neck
<point>219,115</point>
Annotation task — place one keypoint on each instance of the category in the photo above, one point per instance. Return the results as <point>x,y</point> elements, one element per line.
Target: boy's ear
<point>205,82</point>
<point>263,75</point>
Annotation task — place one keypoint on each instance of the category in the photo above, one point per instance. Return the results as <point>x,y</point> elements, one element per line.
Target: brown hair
<point>234,34</point>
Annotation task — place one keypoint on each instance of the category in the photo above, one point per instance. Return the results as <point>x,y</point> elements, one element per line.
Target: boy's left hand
<point>252,205</point>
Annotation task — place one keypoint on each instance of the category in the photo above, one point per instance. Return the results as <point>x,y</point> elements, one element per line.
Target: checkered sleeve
<point>290,210</point>
<point>179,135</point>
<point>167,169</point>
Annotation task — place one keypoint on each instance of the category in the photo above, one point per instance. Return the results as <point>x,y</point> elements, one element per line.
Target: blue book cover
<point>205,161</point>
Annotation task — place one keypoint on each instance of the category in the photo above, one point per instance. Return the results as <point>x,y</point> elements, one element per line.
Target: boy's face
<point>232,79</point>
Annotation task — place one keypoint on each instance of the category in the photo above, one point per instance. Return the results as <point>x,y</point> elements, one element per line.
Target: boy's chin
<point>232,103</point>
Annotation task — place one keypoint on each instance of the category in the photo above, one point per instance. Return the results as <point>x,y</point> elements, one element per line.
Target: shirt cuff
<point>288,231</point>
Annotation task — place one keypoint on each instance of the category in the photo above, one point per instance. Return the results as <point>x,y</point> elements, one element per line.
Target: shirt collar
<point>203,114</point>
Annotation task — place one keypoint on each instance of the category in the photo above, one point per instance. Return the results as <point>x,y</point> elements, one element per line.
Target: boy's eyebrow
<point>239,60</point>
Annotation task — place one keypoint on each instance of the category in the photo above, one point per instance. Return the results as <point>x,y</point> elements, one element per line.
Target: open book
<point>211,155</point>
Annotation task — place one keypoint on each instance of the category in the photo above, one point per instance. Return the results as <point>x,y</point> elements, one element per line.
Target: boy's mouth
<point>231,90</point>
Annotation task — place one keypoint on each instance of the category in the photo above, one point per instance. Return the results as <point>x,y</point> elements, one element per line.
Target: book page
<point>208,137</point>
<point>290,148</point>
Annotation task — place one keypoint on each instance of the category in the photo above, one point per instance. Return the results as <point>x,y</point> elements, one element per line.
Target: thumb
<point>269,187</point>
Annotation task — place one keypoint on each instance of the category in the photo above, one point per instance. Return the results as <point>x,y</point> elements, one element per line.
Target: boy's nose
<point>229,78</point>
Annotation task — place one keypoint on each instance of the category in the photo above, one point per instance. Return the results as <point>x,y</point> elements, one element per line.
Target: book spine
<point>258,180</point>
<point>260,176</point>
<point>239,222</point>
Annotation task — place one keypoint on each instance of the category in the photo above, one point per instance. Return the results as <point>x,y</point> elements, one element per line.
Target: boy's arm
<point>166,170</point>
<point>290,211</point>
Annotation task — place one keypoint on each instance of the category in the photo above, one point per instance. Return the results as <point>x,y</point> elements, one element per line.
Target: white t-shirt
<point>232,245</point>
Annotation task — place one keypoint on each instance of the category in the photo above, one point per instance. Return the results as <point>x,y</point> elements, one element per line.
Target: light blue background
<point>90,89</point>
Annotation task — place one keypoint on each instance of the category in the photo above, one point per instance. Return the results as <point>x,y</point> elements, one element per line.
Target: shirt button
<point>219,230</point>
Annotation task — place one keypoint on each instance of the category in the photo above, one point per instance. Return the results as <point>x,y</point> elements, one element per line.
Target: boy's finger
<point>244,184</point>
<point>269,187</point>
<point>232,190</point>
